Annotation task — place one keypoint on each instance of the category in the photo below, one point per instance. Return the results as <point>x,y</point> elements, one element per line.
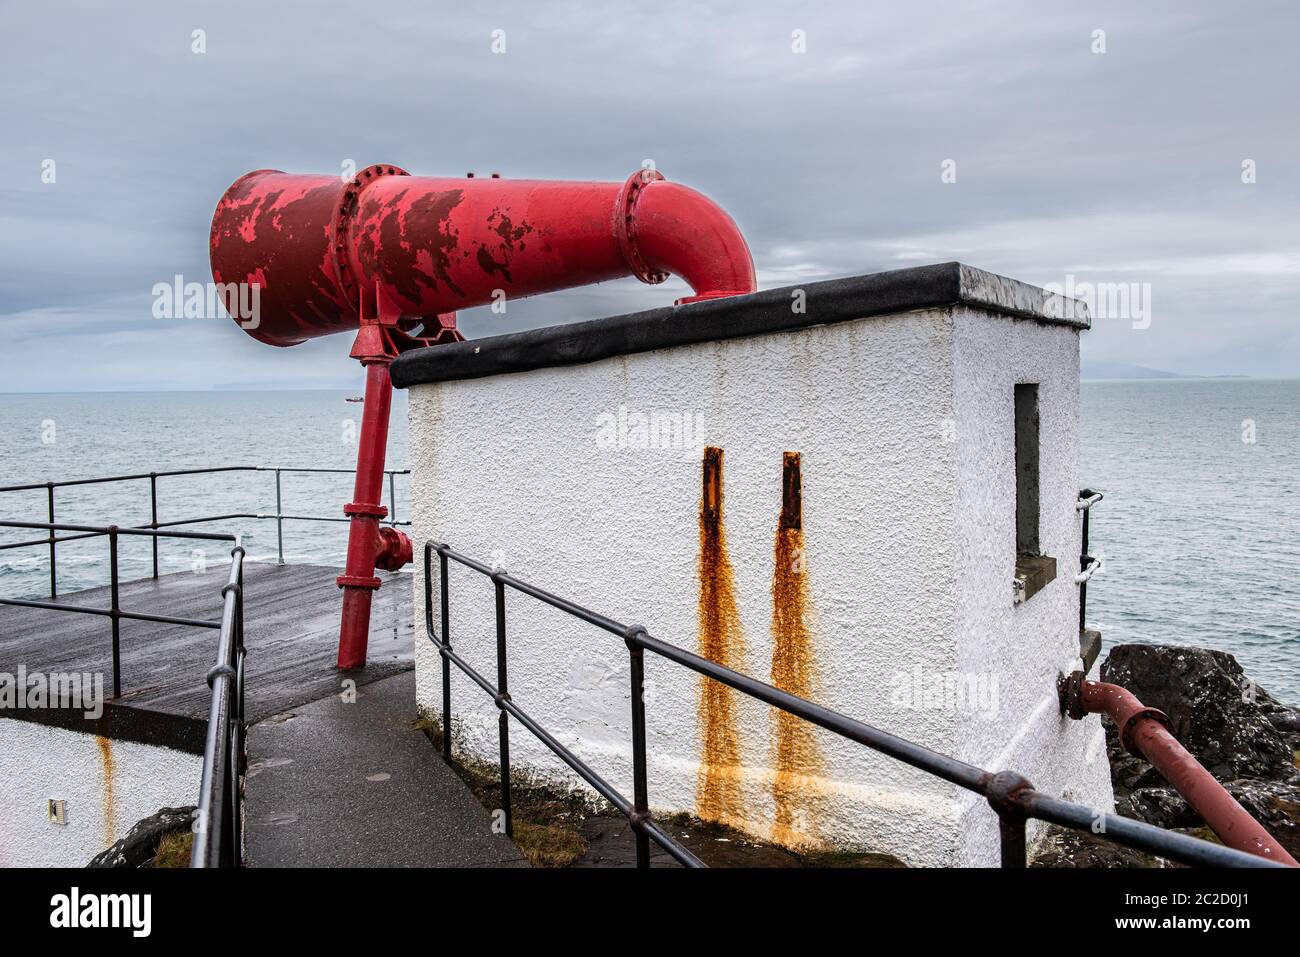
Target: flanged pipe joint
<point>392,257</point>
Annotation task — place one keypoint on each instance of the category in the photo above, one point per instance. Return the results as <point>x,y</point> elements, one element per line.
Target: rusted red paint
<point>717,786</point>
<point>385,253</point>
<point>797,757</point>
<point>436,245</point>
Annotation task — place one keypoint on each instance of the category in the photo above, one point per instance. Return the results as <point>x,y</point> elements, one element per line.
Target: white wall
<point>509,464</point>
<point>108,786</point>
<point>1024,645</point>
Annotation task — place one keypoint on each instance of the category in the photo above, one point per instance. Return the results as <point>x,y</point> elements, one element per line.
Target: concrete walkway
<point>335,784</point>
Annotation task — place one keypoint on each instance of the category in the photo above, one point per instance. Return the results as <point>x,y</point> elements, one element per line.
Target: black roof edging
<point>760,313</point>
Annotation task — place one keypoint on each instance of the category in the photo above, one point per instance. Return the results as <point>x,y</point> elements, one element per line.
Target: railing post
<point>1012,831</point>
<point>237,732</point>
<point>279,522</point>
<point>446,660</point>
<point>115,612</point>
<point>153,517</point>
<point>54,567</point>
<point>392,499</point>
<point>503,695</point>
<point>240,650</point>
<point>1083,563</point>
<point>1004,789</point>
<point>640,790</point>
<point>229,814</point>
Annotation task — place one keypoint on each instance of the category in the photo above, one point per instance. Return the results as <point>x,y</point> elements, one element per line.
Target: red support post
<point>358,580</point>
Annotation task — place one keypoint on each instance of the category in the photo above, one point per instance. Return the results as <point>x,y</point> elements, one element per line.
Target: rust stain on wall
<point>109,772</point>
<point>798,759</point>
<point>717,784</point>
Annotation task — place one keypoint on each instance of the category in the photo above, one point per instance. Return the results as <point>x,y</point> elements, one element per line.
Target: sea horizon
<point>1134,433</point>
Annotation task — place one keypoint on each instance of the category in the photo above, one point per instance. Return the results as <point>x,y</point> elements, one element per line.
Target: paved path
<point>333,784</point>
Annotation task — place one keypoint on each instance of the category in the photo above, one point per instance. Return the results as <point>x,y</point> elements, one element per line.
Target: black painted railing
<point>1011,796</point>
<point>115,613</point>
<point>1088,564</point>
<point>217,822</point>
<point>52,540</point>
<point>217,825</point>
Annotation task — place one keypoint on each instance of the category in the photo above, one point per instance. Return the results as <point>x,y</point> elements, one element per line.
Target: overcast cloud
<point>1123,166</point>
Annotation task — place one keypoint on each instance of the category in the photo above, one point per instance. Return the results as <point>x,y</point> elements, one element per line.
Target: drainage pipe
<point>1145,732</point>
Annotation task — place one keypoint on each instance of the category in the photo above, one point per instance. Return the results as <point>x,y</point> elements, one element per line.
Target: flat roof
<point>760,313</point>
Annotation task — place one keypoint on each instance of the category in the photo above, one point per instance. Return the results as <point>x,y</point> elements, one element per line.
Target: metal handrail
<point>1011,796</point>
<point>217,825</point>
<point>115,612</point>
<point>218,821</point>
<point>1087,499</point>
<point>279,515</point>
<point>1089,565</point>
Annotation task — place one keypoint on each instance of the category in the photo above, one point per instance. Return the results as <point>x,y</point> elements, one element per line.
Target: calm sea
<point>1200,527</point>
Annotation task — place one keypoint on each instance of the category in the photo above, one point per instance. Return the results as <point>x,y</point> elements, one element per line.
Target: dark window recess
<point>1033,569</point>
<point>1027,470</point>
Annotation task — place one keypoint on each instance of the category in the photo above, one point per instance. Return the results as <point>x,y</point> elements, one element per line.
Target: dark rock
<point>1061,847</point>
<point>1161,806</point>
<point>1275,804</point>
<point>140,845</point>
<point>1226,721</point>
<point>1246,738</point>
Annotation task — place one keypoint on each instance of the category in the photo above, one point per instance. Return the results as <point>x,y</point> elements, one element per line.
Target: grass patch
<point>548,845</point>
<point>174,849</point>
<point>542,816</point>
<point>429,727</point>
<point>552,825</point>
<point>719,845</point>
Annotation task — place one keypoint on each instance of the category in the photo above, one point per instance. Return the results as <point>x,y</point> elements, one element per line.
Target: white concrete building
<point>572,457</point>
<point>69,794</point>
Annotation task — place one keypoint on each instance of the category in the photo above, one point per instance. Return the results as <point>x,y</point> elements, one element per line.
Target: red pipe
<point>1143,731</point>
<point>386,254</point>
<point>432,246</point>
<point>358,580</point>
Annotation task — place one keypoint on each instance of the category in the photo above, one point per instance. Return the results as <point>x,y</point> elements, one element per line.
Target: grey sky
<point>1120,167</point>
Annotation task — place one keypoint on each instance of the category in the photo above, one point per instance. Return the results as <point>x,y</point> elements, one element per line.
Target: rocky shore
<point>1247,739</point>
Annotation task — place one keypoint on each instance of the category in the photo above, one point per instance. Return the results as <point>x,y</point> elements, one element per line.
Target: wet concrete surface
<point>611,843</point>
<point>335,783</point>
<point>291,622</point>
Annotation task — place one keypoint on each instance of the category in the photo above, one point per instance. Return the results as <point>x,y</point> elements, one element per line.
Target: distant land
<point>1127,370</point>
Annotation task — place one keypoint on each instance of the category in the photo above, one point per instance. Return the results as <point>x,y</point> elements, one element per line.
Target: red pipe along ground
<point>1143,731</point>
